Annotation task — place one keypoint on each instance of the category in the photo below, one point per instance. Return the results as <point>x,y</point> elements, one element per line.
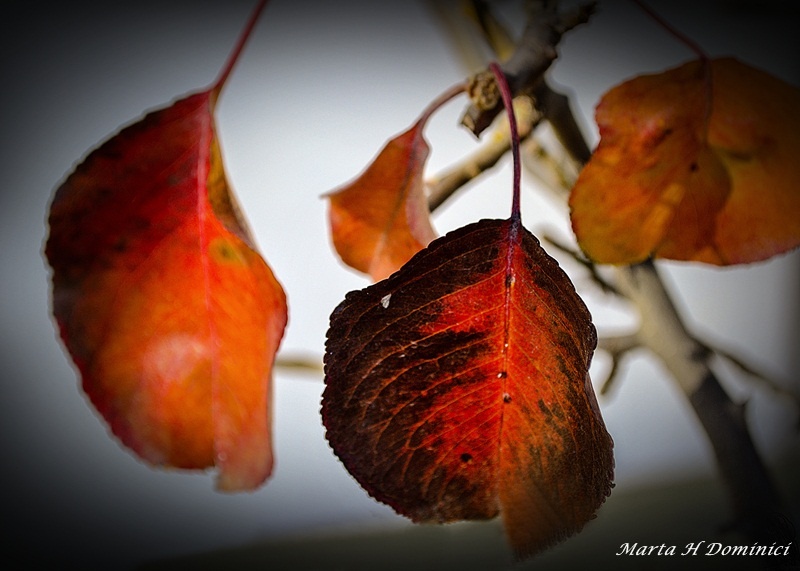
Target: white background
<point>318,90</point>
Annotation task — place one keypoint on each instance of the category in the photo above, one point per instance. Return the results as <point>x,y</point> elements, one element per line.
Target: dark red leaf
<point>458,388</point>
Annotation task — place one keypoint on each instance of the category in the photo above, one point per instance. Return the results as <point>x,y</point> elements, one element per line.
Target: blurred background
<point>318,90</point>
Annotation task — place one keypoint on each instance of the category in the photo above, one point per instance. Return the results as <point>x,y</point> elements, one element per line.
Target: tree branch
<point>299,363</point>
<point>772,385</point>
<point>533,55</point>
<point>556,107</point>
<point>605,285</point>
<point>754,497</point>
<point>556,173</point>
<point>442,186</point>
<point>617,347</point>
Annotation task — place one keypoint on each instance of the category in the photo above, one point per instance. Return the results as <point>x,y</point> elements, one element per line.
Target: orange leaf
<point>164,304</point>
<point>381,219</point>
<point>168,311</point>
<point>696,163</point>
<point>458,388</point>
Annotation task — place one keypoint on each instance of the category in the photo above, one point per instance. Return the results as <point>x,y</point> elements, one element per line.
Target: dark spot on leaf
<point>562,366</point>
<point>659,137</point>
<point>226,252</point>
<point>139,224</point>
<point>222,250</point>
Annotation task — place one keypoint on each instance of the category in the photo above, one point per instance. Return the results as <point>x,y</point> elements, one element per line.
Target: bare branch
<point>605,285</point>
<point>462,34</point>
<point>557,174</point>
<point>617,347</point>
<point>299,363</point>
<point>442,186</point>
<point>758,376</point>
<point>755,499</point>
<point>534,54</point>
<point>495,33</point>
<point>556,107</point>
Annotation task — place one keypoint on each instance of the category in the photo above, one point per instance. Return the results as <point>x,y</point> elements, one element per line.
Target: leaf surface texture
<point>458,388</point>
<point>381,218</point>
<point>169,312</point>
<point>696,163</point>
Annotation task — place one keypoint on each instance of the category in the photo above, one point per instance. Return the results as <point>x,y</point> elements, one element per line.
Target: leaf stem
<point>704,58</point>
<point>689,42</point>
<point>218,84</point>
<point>441,100</point>
<point>505,93</point>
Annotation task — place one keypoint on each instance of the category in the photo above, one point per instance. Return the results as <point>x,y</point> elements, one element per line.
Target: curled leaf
<point>696,163</point>
<point>458,388</point>
<point>381,219</point>
<point>167,309</point>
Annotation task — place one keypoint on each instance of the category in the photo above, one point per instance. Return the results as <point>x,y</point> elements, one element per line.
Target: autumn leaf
<point>167,309</point>
<point>381,218</point>
<point>458,388</point>
<point>696,163</point>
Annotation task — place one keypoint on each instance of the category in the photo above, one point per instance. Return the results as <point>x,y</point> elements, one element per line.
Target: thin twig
<point>299,363</point>
<point>557,174</point>
<point>443,185</point>
<point>756,375</point>
<point>617,347</point>
<point>605,285</point>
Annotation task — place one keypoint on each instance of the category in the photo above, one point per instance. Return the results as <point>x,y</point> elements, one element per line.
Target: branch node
<point>535,52</point>
<point>485,96</point>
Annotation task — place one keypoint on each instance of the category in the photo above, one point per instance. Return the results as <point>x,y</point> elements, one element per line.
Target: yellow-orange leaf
<point>381,219</point>
<point>696,163</point>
